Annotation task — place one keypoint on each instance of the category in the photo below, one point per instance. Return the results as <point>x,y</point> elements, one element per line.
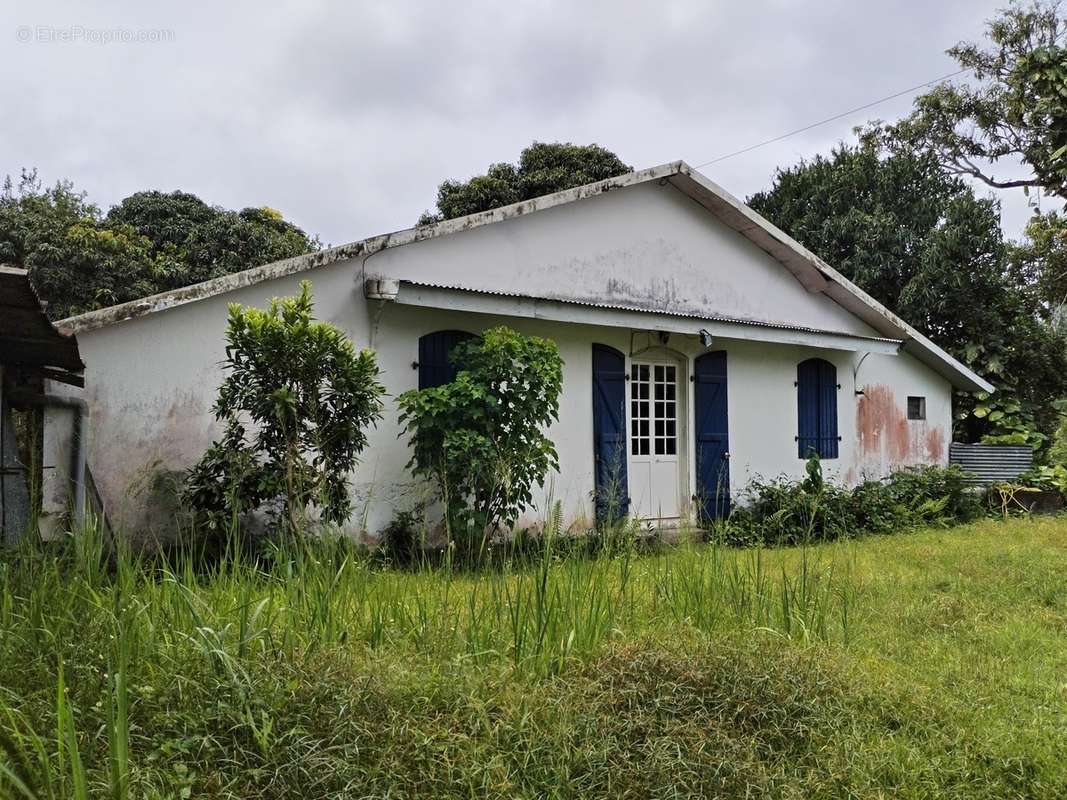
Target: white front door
<point>655,445</point>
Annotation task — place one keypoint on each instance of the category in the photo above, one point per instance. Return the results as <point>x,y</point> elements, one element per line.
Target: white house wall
<point>151,383</point>
<point>155,419</point>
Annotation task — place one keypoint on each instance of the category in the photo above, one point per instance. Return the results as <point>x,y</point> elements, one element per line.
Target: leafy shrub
<point>785,512</point>
<point>790,512</point>
<point>401,540</point>
<point>1048,478</point>
<point>917,487</point>
<point>295,404</point>
<point>481,438</point>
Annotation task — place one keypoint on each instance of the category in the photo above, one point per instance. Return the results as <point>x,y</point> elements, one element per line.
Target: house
<point>702,347</point>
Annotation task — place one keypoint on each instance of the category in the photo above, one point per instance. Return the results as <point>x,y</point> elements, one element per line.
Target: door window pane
<point>654,412</point>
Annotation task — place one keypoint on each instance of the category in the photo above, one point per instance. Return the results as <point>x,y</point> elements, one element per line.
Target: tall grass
<point>840,670</point>
<point>124,618</point>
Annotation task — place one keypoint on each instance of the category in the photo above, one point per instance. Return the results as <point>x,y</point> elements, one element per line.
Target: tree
<point>1018,110</point>
<point>168,219</point>
<point>151,242</point>
<point>481,438</point>
<point>1040,260</point>
<point>295,406</point>
<point>208,241</point>
<point>921,242</point>
<point>75,262</point>
<point>543,168</point>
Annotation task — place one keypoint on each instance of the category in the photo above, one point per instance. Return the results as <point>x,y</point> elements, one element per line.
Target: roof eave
<point>818,276</point>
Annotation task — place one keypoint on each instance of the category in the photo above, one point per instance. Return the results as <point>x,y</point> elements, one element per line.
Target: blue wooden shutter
<point>435,367</point>
<point>817,409</point>
<point>609,434</point>
<point>712,435</point>
<point>827,410</point>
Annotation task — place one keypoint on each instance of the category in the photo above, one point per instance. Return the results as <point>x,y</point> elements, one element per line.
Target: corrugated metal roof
<point>27,337</point>
<point>643,310</point>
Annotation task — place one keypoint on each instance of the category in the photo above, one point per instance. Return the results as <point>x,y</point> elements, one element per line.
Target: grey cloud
<point>346,115</point>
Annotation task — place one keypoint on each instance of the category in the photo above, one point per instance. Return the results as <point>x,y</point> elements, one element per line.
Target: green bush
<point>295,407</point>
<point>1048,478</point>
<point>785,512</point>
<point>916,488</point>
<point>790,512</point>
<point>481,438</point>
<point>402,540</point>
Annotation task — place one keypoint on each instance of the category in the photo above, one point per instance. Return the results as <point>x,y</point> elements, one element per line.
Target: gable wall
<point>648,246</point>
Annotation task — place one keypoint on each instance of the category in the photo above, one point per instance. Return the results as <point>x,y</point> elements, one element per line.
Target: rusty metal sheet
<point>27,337</point>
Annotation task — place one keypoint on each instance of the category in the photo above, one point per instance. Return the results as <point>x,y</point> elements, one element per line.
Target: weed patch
<point>927,665</point>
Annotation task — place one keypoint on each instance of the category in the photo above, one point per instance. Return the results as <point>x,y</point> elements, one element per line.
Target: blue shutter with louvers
<point>435,367</point>
<point>609,434</point>
<point>827,410</point>
<point>817,409</point>
<point>712,435</point>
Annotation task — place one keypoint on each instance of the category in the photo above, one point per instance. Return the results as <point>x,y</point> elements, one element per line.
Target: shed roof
<point>27,337</point>
<point>810,270</point>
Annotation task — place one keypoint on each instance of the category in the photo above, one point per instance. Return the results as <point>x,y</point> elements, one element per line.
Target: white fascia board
<point>582,314</point>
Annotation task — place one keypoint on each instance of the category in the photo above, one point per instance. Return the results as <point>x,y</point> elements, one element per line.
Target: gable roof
<point>811,271</point>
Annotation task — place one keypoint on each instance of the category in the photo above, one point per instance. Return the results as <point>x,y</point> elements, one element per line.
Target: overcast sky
<point>346,115</point>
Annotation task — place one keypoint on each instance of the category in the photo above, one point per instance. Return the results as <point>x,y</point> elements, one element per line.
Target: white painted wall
<point>151,381</point>
<point>151,419</point>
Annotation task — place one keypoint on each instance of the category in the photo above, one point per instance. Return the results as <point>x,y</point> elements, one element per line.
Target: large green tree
<point>1040,260</point>
<point>921,242</point>
<point>543,168</point>
<point>1014,109</point>
<point>206,240</point>
<point>80,259</point>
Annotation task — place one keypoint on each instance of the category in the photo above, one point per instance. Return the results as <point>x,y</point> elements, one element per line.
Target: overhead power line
<point>835,117</point>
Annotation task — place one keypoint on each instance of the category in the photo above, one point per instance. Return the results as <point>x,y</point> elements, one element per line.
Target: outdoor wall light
<point>705,337</point>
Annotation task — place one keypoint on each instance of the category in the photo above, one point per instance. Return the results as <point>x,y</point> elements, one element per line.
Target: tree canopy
<point>1040,261</point>
<point>543,168</point>
<point>80,259</point>
<point>920,241</point>
<point>1016,111</point>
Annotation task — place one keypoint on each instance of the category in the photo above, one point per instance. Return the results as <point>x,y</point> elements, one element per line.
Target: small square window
<point>916,408</point>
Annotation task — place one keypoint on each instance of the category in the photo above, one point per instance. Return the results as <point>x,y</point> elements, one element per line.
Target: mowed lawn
<point>923,664</point>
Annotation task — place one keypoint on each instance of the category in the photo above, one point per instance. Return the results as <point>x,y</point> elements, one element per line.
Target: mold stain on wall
<point>888,437</point>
